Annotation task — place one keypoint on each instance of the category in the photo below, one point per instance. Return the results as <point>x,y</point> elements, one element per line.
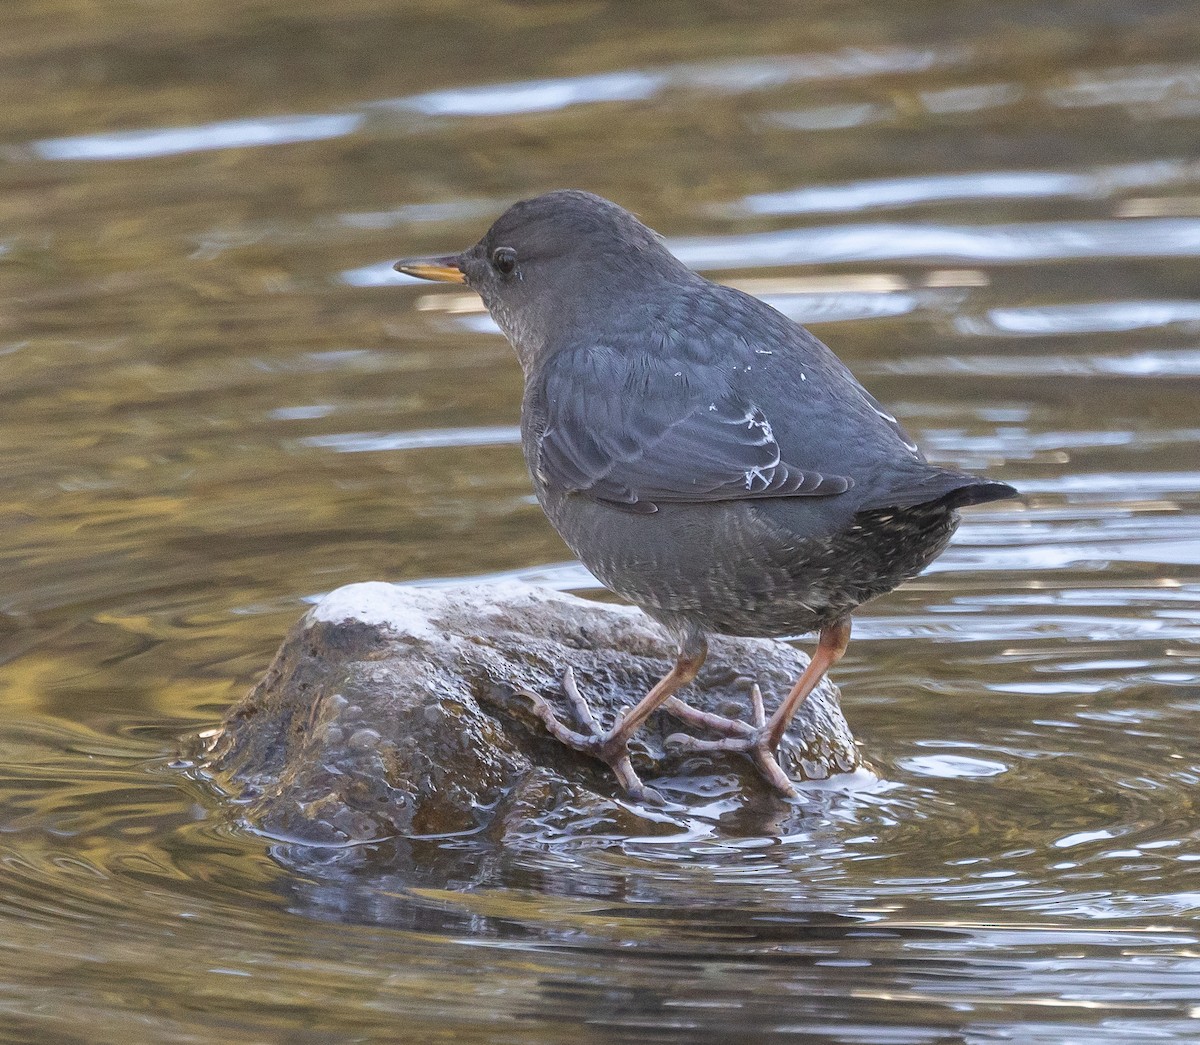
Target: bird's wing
<point>628,454</point>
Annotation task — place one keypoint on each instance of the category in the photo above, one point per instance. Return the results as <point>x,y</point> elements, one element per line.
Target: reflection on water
<point>219,401</point>
<point>726,78</point>
<point>886,193</point>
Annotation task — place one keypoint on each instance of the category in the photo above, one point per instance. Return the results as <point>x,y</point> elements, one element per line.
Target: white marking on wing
<point>756,475</point>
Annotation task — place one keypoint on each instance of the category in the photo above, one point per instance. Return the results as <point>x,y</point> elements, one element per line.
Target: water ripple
<point>731,77</point>
<point>373,442</point>
<point>501,99</point>
<point>173,141</point>
<point>1092,317</point>
<point>1162,84</point>
<point>1165,363</point>
<point>995,244</point>
<point>1098,182</point>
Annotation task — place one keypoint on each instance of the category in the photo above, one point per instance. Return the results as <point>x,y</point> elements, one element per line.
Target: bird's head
<point>554,261</point>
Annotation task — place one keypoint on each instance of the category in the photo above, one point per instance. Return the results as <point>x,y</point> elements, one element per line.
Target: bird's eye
<point>504,260</point>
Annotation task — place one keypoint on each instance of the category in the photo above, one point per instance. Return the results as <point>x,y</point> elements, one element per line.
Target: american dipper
<point>704,456</point>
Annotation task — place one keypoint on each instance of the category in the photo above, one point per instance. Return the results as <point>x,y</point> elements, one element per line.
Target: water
<point>218,401</point>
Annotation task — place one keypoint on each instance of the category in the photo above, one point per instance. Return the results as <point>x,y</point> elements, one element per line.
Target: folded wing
<point>632,459</point>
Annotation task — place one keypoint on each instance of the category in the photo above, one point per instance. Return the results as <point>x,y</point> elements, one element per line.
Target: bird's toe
<point>756,745</point>
<point>610,747</point>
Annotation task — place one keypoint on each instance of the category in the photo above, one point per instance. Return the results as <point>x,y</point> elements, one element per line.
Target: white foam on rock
<point>396,607</point>
<point>409,609</point>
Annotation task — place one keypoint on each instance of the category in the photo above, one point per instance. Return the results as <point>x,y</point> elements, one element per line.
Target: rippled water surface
<point>219,401</point>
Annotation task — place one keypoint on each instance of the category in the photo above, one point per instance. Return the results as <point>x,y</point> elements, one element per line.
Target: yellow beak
<point>443,270</point>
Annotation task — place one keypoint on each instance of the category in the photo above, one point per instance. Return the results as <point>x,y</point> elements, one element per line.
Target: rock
<point>390,712</point>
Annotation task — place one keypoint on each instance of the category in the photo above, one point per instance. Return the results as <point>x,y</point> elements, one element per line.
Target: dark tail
<point>946,487</point>
<point>978,490</point>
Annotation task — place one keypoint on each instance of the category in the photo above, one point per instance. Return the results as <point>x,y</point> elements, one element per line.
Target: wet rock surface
<point>391,712</point>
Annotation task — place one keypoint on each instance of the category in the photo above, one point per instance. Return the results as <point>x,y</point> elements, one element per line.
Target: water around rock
<point>219,399</point>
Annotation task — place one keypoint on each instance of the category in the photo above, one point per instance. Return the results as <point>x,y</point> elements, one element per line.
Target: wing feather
<point>708,452</point>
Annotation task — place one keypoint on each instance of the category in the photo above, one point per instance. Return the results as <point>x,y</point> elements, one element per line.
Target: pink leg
<point>762,740</point>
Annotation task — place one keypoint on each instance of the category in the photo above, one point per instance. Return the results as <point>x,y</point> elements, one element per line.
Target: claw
<point>756,748</point>
<point>586,742</point>
<point>756,706</point>
<point>610,747</point>
<point>753,741</point>
<point>578,704</point>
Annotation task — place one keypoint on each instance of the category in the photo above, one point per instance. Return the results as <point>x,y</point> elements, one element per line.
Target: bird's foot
<point>611,746</point>
<point>757,740</point>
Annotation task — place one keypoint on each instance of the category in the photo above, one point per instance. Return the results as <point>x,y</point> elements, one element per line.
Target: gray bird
<point>705,457</point>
